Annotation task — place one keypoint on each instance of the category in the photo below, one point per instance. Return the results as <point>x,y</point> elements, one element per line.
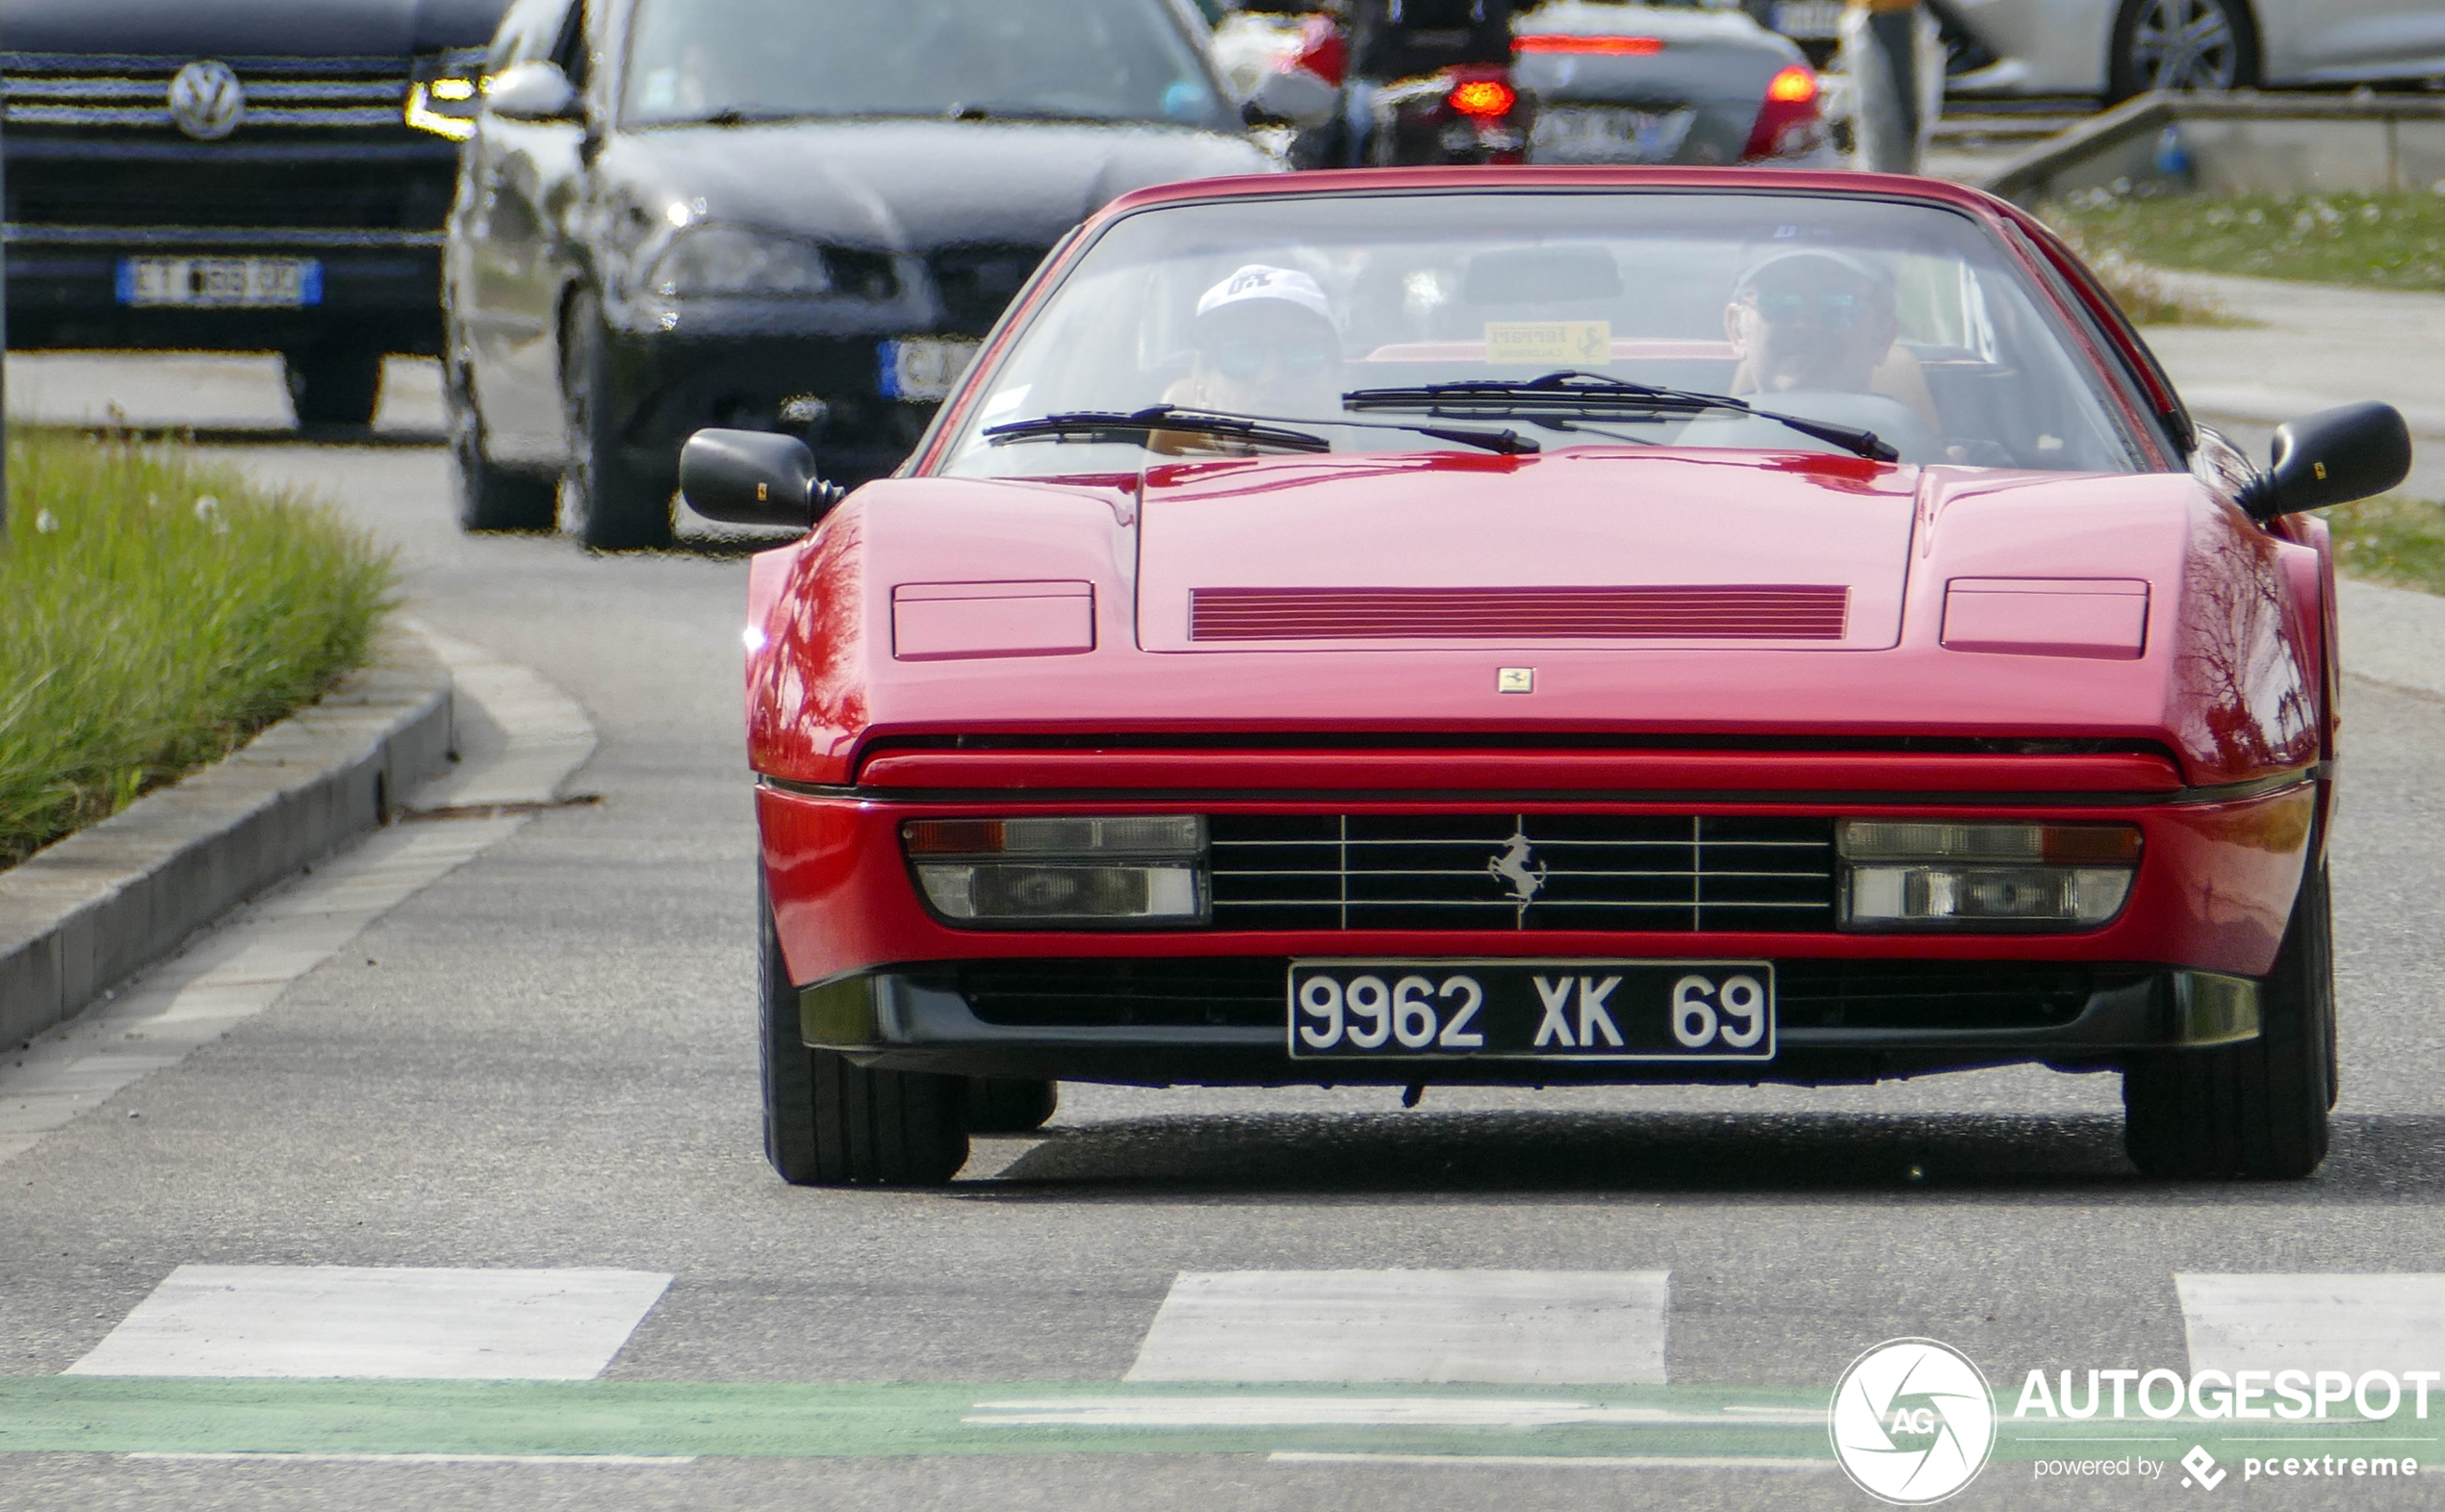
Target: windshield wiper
<point>1256,429</point>
<point>745,115</point>
<point>1097,424</point>
<point>1593,393</point>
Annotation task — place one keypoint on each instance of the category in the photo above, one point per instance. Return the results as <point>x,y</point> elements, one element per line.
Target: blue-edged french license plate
<point>231,283</point>
<point>924,367</point>
<point>1537,1009</point>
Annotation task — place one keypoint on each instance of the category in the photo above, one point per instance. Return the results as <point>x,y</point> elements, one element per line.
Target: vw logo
<point>206,100</point>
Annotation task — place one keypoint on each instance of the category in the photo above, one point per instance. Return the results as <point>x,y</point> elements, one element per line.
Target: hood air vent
<point>1734,611</point>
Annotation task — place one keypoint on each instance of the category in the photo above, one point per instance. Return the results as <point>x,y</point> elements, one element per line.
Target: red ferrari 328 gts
<point>1548,626</point>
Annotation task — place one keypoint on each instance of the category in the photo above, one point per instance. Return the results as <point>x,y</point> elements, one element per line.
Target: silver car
<point>2119,48</point>
<point>1669,81</point>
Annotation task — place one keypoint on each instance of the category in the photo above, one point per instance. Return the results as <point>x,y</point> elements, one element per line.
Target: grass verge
<point>159,612</point>
<point>2142,293</point>
<point>2391,539</point>
<point>2372,241</point>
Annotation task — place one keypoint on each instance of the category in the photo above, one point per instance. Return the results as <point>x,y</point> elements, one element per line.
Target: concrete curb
<point>87,914</point>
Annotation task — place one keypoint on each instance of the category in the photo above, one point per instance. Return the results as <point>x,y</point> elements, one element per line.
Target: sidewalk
<point>2314,347</point>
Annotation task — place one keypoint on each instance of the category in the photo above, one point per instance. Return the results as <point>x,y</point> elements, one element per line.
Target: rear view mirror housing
<point>2331,458</point>
<point>754,478</point>
<point>532,92</point>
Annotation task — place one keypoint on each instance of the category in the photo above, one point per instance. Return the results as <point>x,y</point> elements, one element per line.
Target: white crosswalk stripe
<point>1557,1327</point>
<point>397,1323</point>
<point>2314,1321</point>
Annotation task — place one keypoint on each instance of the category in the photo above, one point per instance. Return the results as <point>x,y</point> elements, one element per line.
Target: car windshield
<point>1329,314</point>
<point>692,61</point>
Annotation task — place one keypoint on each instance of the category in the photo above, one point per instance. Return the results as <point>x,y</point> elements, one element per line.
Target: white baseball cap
<point>1259,281</point>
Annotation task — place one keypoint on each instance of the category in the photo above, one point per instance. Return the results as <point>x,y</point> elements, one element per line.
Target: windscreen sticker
<point>1545,343</point>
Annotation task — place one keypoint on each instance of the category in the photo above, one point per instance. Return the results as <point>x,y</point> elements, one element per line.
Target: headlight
<point>712,261</point>
<point>1090,870</point>
<point>1916,874</point>
<point>442,97</point>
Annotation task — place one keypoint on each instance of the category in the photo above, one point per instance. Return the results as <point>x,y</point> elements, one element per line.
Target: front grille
<point>976,282</point>
<point>283,94</point>
<point>1252,992</point>
<point>1193,994</point>
<point>1758,611</point>
<point>324,146</point>
<point>1936,994</point>
<point>1536,871</point>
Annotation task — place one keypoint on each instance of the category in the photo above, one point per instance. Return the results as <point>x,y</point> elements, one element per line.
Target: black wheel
<point>335,385</point>
<point>608,504</point>
<point>490,499</point>
<point>2256,1108</point>
<point>1010,1104</point>
<point>830,1123</point>
<point>2181,44</point>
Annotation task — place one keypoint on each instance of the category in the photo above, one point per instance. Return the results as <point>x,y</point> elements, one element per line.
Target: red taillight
<point>1485,98</point>
<point>1788,123</point>
<point>1794,86</point>
<point>1611,46</point>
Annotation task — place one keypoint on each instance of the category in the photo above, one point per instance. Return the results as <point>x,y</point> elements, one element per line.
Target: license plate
<point>1533,1010</point>
<point>924,367</point>
<point>1810,20</point>
<point>1585,134</point>
<point>242,283</point>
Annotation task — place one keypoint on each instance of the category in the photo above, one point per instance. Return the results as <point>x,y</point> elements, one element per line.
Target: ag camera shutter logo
<point>1913,1422</point>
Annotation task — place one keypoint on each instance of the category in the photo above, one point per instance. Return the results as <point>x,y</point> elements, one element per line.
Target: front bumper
<point>1225,1021</point>
<point>377,290</point>
<point>886,981</point>
<point>823,389</point>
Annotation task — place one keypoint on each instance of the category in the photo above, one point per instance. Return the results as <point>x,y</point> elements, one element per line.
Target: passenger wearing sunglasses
<point>1822,321</point>
<point>1266,344</point>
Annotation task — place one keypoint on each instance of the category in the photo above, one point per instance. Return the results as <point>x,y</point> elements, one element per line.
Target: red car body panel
<point>2207,718</point>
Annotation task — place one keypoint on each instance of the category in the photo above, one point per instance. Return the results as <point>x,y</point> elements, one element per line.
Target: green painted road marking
<point>143,1415</point>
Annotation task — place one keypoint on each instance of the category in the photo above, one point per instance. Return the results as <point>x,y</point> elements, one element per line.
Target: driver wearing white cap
<point>1266,343</point>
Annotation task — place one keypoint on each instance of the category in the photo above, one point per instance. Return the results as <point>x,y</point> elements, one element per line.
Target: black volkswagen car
<point>236,175</point>
<point>780,216</point>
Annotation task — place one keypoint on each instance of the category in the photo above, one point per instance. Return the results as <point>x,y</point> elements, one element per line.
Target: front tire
<point>2181,44</point>
<point>490,499</point>
<point>340,385</point>
<point>1010,1104</point>
<point>831,1123</point>
<point>608,504</point>
<point>2258,1109</point>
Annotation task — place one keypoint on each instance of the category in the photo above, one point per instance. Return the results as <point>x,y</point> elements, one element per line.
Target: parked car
<point>249,175</point>
<point>2119,48</point>
<point>1661,82</point>
<point>1542,626</point>
<point>760,213</point>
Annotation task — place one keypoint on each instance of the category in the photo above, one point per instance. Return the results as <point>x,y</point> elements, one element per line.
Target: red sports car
<point>1544,626</point>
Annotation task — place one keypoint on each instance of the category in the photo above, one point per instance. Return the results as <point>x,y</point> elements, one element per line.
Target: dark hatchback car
<point>776,215</point>
<point>236,175</point>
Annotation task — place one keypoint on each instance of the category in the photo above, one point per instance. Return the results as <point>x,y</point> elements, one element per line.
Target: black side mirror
<point>2331,458</point>
<point>754,478</point>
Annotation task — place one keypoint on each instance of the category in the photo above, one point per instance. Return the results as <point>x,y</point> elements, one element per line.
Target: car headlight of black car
<point>717,262</point>
<point>1916,874</point>
<point>445,93</point>
<point>1124,869</point>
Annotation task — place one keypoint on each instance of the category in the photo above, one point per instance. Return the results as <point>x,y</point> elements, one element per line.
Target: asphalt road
<point>546,1060</point>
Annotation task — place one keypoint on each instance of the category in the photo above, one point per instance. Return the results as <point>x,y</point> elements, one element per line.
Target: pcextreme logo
<point>1913,1422</point>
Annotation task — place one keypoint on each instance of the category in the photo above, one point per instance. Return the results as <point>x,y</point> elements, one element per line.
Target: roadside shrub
<point>154,613</point>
